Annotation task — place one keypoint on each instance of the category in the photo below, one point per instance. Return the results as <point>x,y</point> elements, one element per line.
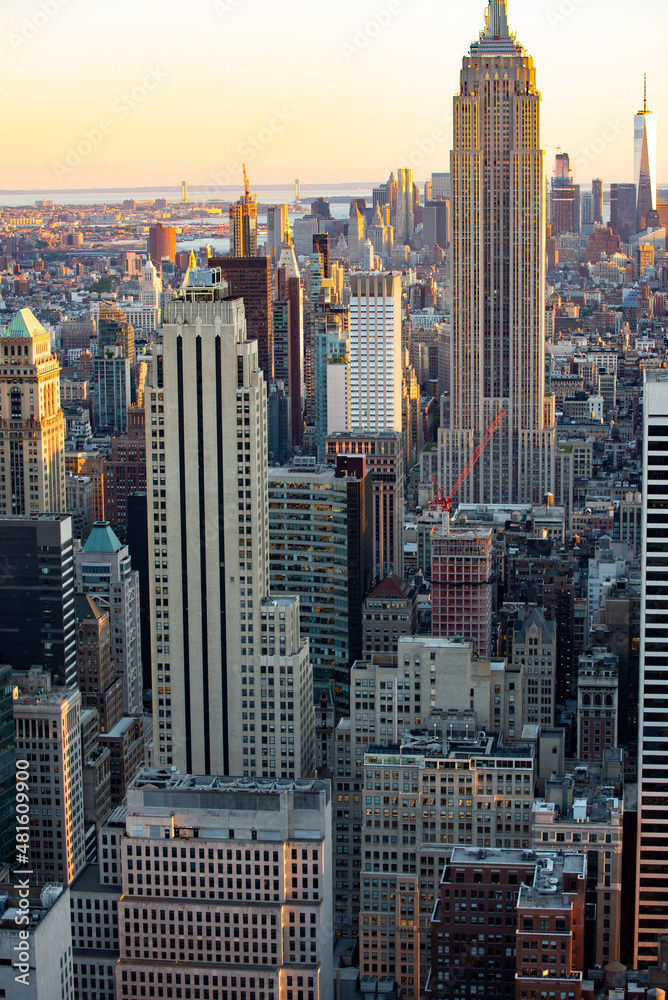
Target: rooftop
<point>162,778</point>
<point>391,586</point>
<point>89,881</point>
<point>24,324</point>
<point>120,728</point>
<point>102,539</point>
<point>422,743</point>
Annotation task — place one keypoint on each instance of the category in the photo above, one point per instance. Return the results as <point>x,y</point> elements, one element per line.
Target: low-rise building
<point>509,923</point>
<point>39,952</point>
<point>94,924</point>
<point>389,613</point>
<point>226,883</point>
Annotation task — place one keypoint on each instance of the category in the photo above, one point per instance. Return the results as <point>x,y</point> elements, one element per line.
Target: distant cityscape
<point>334,577</point>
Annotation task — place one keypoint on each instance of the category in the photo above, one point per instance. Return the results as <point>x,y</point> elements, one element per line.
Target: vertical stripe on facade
<point>184,553</point>
<point>202,555</point>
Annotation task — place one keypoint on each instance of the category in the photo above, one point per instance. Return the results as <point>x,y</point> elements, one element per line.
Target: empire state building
<point>497,352</point>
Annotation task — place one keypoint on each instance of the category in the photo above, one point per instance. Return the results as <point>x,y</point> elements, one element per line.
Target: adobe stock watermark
<point>225,7</point>
<point>367,32</point>
<point>587,155</point>
<point>120,111</point>
<point>423,149</point>
<point>565,9</point>
<point>23,873</point>
<point>253,145</point>
<point>34,23</point>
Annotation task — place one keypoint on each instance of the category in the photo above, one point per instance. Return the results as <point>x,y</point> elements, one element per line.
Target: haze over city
<point>361,87</point>
<point>333,501</point>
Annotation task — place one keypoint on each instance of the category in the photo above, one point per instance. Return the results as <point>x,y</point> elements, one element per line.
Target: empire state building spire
<point>496,20</point>
<point>497,37</point>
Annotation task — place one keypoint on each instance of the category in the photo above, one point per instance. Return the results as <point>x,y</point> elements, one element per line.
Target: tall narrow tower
<point>652,840</point>
<point>243,223</point>
<point>498,276</point>
<point>644,161</point>
<point>221,647</point>
<point>32,426</point>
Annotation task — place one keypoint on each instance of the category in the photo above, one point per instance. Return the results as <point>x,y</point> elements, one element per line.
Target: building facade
<point>384,454</point>
<point>32,425</point>
<point>652,855</point>
<point>37,614</point>
<point>57,832</point>
<point>497,348</point>
<point>461,578</point>
<point>256,913</point>
<point>103,571</point>
<point>320,549</point>
<point>219,642</point>
<point>375,352</point>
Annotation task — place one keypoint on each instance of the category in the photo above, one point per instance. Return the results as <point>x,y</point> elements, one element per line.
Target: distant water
<point>115,196</point>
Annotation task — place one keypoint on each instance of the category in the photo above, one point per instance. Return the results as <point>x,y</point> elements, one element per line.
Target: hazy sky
<point>148,92</point>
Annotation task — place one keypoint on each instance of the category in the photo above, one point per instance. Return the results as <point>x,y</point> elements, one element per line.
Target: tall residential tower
<point>497,357</point>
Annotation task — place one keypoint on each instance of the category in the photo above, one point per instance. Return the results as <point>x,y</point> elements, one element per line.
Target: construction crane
<point>443,503</point>
<point>246,184</point>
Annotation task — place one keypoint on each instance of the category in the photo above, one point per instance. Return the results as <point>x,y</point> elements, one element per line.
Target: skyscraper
<point>103,571</point>
<point>57,849</point>
<point>243,224</point>
<point>564,198</point>
<point>405,218</point>
<point>37,621</point>
<point>249,278</point>
<point>215,629</point>
<point>597,197</point>
<point>290,306</point>
<point>320,548</point>
<point>161,243</point>
<point>497,358</point>
<point>277,223</point>
<point>644,162</point>
<point>32,435</point>
<point>623,210</point>
<point>113,329</point>
<point>652,851</point>
<point>375,352</point>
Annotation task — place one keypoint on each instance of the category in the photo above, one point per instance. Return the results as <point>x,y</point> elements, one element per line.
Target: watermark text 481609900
<point>22,873</point>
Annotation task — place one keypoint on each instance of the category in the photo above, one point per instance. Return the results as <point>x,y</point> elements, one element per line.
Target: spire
<point>644,110</point>
<point>497,38</point>
<point>496,20</point>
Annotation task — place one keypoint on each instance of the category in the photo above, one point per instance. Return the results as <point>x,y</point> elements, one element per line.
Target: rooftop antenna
<point>645,93</point>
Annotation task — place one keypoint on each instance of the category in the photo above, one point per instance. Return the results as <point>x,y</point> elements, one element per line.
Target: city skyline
<point>138,97</point>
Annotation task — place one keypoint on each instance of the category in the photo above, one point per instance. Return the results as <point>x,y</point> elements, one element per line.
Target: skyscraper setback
<point>214,627</point>
<point>497,357</point>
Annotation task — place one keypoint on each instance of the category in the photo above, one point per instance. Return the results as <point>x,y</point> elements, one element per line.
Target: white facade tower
<point>652,849</point>
<point>375,352</point>
<point>232,683</point>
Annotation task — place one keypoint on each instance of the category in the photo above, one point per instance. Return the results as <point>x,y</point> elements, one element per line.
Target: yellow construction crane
<point>246,184</point>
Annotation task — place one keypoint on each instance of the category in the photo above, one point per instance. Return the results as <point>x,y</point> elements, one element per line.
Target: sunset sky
<point>153,91</point>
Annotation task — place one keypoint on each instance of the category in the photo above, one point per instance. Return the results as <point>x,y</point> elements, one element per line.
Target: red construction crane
<point>440,501</point>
